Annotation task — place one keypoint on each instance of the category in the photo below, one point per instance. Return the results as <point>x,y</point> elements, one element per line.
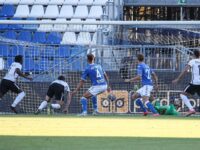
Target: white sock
<point>55,106</point>
<point>18,99</point>
<point>186,101</point>
<point>43,105</point>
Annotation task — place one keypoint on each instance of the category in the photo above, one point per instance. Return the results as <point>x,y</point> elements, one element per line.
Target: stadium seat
<point>9,61</point>
<point>7,11</point>
<point>70,2</point>
<point>56,2</point>
<point>25,36</point>
<point>41,2</point>
<point>95,12</point>
<point>85,2</point>
<point>63,51</point>
<point>45,64</point>
<point>4,50</point>
<point>39,37</point>
<point>31,26</point>
<point>49,52</point>
<point>37,11</point>
<point>84,38</point>
<point>13,2</point>
<point>94,39</point>
<point>2,2</point>
<point>90,28</point>
<point>33,52</point>
<point>77,51</point>
<point>22,11</point>
<point>15,26</point>
<point>81,12</point>
<point>51,11</point>
<point>54,38</point>
<point>10,34</point>
<point>29,64</point>
<point>73,27</point>
<point>69,38</point>
<point>45,27</point>
<point>66,11</point>
<point>60,27</point>
<point>77,64</point>
<point>100,2</point>
<point>16,50</point>
<point>26,2</point>
<point>3,26</point>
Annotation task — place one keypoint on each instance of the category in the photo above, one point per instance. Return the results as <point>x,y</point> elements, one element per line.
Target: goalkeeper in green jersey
<point>166,109</point>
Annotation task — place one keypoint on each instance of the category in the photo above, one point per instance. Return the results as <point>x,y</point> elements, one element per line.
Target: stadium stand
<point>66,12</point>
<point>22,11</point>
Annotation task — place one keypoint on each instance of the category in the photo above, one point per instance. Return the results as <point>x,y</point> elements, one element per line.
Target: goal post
<point>51,48</point>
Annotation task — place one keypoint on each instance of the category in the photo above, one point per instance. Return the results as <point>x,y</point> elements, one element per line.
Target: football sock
<point>151,107</point>
<point>84,104</point>
<point>94,102</point>
<point>55,106</point>
<point>186,101</point>
<point>43,105</point>
<point>140,103</point>
<point>18,99</point>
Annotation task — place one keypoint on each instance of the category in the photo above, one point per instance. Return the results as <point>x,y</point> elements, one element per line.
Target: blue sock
<point>84,104</point>
<point>151,108</point>
<point>140,103</point>
<point>94,102</point>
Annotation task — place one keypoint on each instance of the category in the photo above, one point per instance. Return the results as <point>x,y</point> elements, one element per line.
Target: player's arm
<point>107,80</point>
<point>137,78</point>
<point>22,74</point>
<point>182,74</point>
<point>155,78</point>
<point>80,85</point>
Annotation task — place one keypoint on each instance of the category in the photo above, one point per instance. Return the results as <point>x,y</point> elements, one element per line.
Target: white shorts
<point>145,90</point>
<point>97,89</point>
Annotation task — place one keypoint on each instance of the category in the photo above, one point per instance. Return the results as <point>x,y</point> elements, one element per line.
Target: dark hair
<point>196,53</point>
<point>140,57</point>
<point>19,59</point>
<point>90,57</point>
<point>61,77</point>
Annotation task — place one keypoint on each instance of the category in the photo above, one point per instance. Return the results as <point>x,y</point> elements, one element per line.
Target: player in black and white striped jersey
<point>8,83</point>
<point>56,89</point>
<point>194,85</point>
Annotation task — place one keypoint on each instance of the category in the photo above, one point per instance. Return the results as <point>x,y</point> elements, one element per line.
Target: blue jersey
<point>95,74</point>
<point>145,72</point>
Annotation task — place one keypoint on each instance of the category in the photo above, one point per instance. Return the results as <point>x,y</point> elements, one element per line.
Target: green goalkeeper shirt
<point>166,109</point>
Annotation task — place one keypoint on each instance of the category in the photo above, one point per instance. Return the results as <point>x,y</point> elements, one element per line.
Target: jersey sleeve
<point>139,70</point>
<point>67,88</point>
<point>191,62</point>
<point>19,66</point>
<point>84,75</point>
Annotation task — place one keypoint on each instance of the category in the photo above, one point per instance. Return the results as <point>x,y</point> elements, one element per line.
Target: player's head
<point>90,58</point>
<point>140,57</point>
<point>61,77</point>
<point>19,59</point>
<point>196,54</point>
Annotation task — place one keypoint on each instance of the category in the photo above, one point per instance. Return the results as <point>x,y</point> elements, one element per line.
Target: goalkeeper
<point>166,109</point>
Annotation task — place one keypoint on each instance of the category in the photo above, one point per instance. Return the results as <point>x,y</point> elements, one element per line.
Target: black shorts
<point>56,90</point>
<point>7,85</point>
<point>192,89</point>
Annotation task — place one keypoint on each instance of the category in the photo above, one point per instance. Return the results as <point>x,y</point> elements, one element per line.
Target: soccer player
<point>194,85</point>
<point>99,81</point>
<point>57,89</point>
<point>9,82</point>
<point>145,74</point>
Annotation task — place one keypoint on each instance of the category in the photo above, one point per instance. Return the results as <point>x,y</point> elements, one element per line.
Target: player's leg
<point>189,90</point>
<point>21,94</point>
<point>138,100</point>
<point>3,88</point>
<point>59,96</point>
<point>94,104</point>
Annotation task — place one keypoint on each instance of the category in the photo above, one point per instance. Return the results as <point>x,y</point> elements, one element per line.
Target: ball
<point>111,97</point>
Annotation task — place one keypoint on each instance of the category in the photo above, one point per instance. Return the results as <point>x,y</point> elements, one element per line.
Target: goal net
<point>52,48</point>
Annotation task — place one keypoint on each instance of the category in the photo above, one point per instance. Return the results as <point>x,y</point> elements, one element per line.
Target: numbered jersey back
<point>95,74</point>
<point>145,72</point>
<point>195,71</point>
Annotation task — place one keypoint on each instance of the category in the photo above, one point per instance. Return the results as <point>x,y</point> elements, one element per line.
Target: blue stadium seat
<point>45,64</point>
<point>31,26</point>
<point>39,37</point>
<point>32,52</point>
<point>76,64</point>
<point>54,38</point>
<point>7,11</point>
<point>16,50</point>
<point>49,52</point>
<point>78,51</point>
<point>4,50</point>
<point>3,26</point>
<point>63,51</point>
<point>10,34</point>
<point>9,61</point>
<point>15,26</point>
<point>25,36</point>
<point>29,64</point>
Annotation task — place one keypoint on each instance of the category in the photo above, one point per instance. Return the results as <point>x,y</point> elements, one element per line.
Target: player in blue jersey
<point>145,74</point>
<point>99,80</point>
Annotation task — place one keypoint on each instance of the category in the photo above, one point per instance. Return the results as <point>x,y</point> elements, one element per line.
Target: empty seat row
<point>55,2</point>
<point>52,11</point>
<point>70,27</point>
